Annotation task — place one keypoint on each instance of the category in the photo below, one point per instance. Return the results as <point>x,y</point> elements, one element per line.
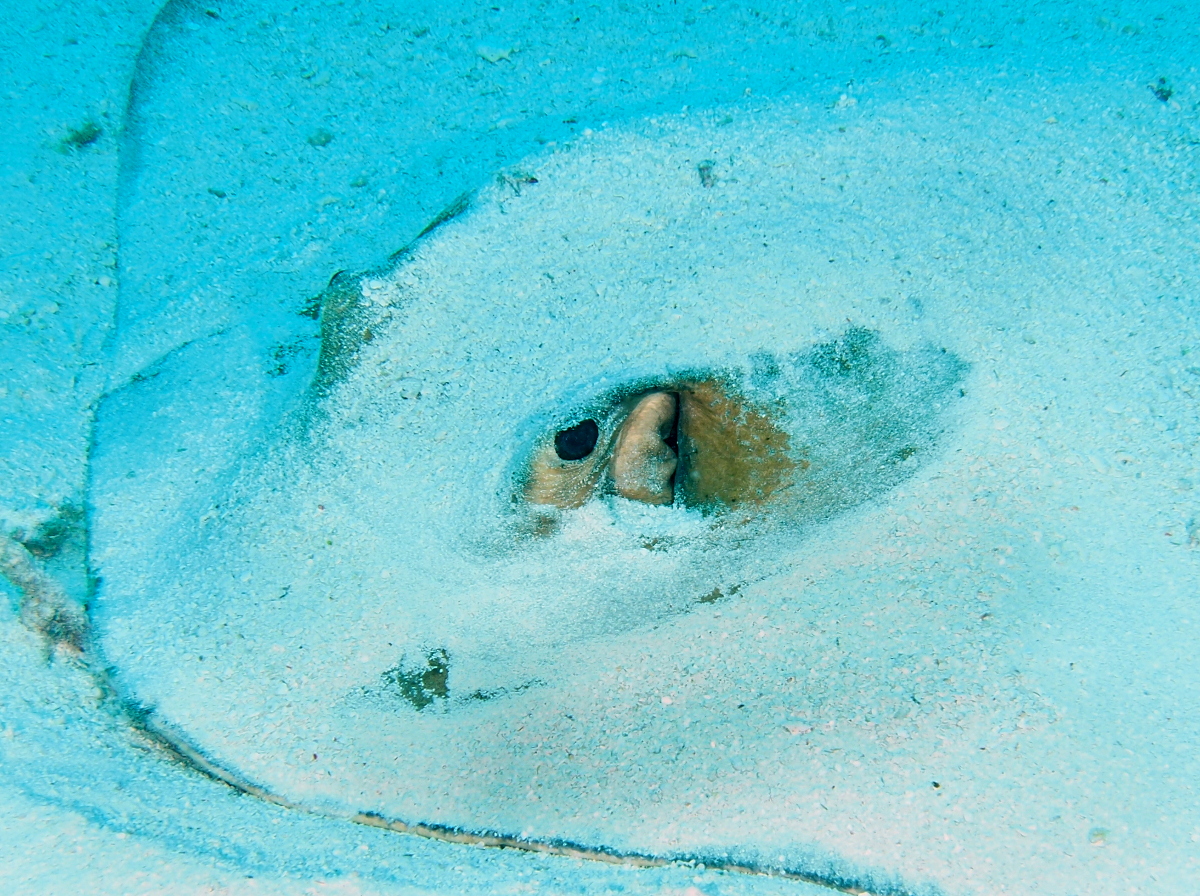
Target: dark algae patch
<point>82,136</point>
<point>423,685</point>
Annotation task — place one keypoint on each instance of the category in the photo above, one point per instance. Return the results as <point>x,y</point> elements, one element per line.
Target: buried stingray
<point>718,461</point>
<point>530,434</point>
<point>593,496</point>
<point>389,555</point>
<point>613,505</point>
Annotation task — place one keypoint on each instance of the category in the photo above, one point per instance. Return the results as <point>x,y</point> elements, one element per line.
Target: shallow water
<point>952,658</point>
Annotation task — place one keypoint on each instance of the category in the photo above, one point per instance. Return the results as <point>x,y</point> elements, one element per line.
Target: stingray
<point>642,488</point>
<point>494,525</point>
<point>476,484</point>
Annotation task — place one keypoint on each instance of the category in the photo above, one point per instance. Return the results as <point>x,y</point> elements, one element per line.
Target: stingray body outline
<point>347,324</point>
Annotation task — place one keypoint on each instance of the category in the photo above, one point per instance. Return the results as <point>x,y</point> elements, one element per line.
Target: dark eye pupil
<point>577,442</point>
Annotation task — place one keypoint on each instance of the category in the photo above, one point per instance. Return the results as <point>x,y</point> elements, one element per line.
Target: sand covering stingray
<point>396,508</point>
<point>403,511</point>
<point>373,615</point>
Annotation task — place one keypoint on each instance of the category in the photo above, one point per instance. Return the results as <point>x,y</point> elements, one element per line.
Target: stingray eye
<point>577,442</point>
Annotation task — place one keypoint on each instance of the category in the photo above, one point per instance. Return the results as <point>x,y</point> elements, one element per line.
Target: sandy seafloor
<point>981,679</point>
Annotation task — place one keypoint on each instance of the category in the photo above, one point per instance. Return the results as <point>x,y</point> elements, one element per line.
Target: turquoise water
<point>958,662</point>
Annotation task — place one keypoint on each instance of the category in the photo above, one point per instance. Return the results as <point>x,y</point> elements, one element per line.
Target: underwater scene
<point>691,448</point>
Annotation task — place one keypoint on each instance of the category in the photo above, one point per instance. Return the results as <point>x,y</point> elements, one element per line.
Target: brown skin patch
<point>346,322</point>
<point>730,454</point>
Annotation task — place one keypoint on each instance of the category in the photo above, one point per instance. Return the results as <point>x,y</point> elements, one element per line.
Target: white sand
<point>1013,622</point>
